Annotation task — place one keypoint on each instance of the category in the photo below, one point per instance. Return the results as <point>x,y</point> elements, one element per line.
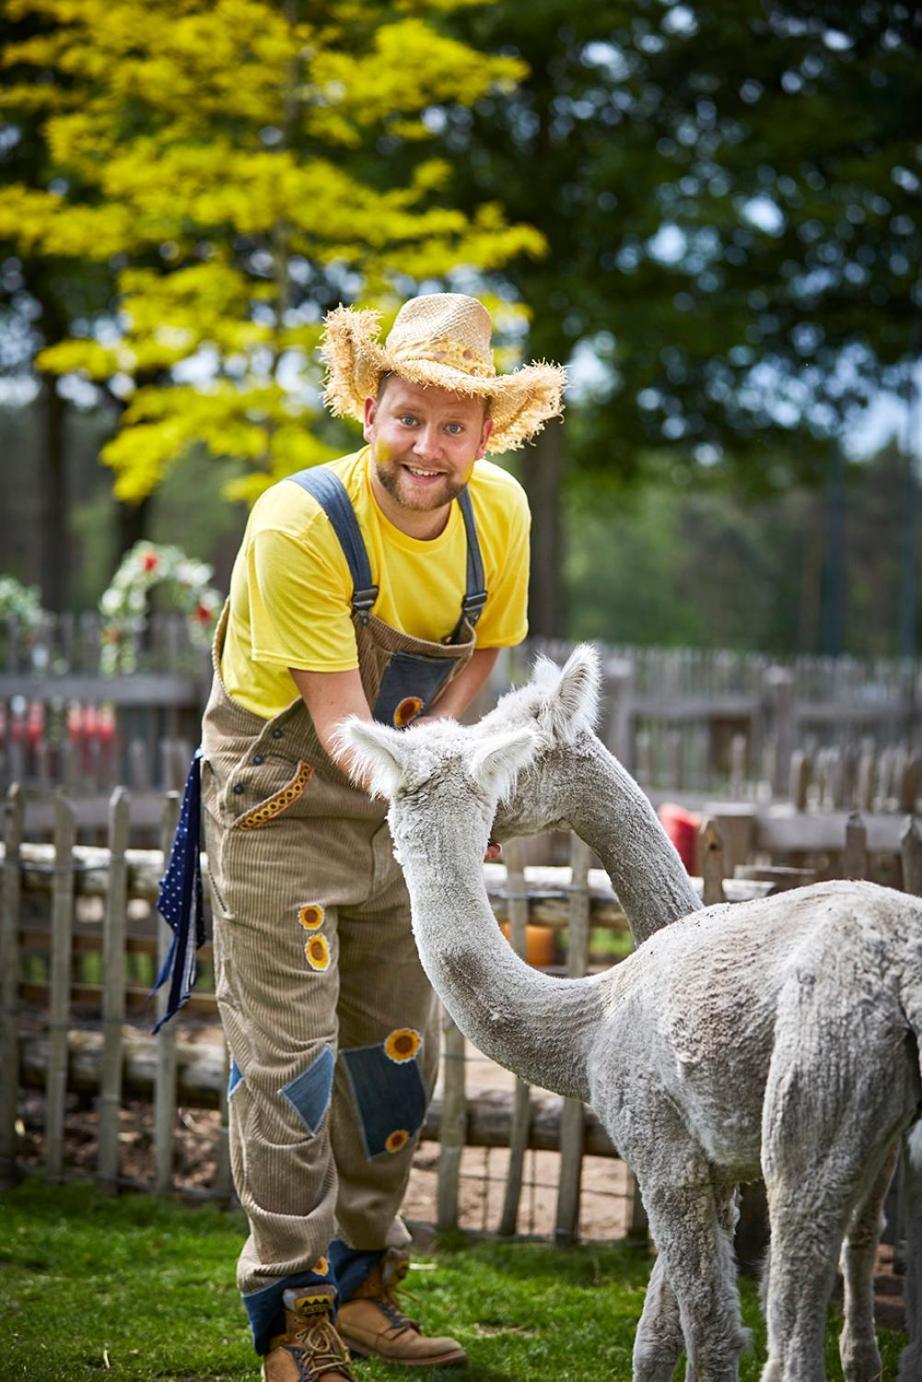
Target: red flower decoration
<point>203,614</point>
<point>150,561</point>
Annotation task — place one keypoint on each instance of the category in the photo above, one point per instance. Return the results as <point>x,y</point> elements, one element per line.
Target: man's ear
<point>484,437</point>
<point>496,762</point>
<point>371,408</point>
<point>377,754</point>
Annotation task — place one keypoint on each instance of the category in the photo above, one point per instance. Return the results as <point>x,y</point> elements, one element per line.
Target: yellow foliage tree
<point>232,159</point>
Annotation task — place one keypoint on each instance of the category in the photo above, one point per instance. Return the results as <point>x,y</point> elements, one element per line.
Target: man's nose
<point>427,444</point>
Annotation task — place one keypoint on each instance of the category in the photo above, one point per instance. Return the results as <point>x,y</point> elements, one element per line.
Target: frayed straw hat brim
<point>520,402</point>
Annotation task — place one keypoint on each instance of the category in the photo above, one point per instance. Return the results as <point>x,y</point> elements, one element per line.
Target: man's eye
<point>408,420</point>
<point>455,428</point>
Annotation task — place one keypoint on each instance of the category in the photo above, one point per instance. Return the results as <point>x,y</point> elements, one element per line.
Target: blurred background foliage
<point>710,211</point>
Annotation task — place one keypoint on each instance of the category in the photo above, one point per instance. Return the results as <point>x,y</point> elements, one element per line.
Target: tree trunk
<point>542,470</point>
<point>55,496</point>
<point>133,521</point>
<point>832,619</point>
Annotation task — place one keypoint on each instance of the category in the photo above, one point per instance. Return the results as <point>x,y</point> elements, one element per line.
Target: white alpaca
<point>780,1033</point>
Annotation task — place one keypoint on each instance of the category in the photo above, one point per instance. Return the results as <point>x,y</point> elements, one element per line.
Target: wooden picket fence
<point>67,997</point>
<point>69,989</point>
<point>698,723</point>
<point>64,724</point>
<point>712,721</point>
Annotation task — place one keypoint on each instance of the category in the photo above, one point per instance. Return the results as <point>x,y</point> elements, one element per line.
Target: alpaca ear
<point>377,754</point>
<point>496,762</point>
<point>574,702</point>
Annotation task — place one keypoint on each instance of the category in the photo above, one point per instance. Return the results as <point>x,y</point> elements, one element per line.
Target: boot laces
<point>326,1350</point>
<point>390,1303</point>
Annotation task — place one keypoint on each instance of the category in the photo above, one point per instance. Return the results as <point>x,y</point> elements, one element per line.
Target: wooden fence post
<point>801,766</point>
<point>833,784</point>
<point>911,855</point>
<point>62,917</point>
<point>643,744</point>
<point>850,755</point>
<point>517,900</point>
<point>855,853</point>
<point>9,986</point>
<point>711,854</point>
<point>619,686</point>
<point>778,696</point>
<point>909,784</point>
<point>572,1115</point>
<point>674,757</point>
<point>454,1124</point>
<point>866,784</point>
<point>113,997</point>
<point>165,1086</point>
<point>739,758</point>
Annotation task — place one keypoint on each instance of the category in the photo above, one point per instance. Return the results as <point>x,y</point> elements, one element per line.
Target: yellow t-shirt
<point>291,586</point>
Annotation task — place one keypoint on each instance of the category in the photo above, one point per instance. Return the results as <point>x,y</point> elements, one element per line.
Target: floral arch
<point>125,604</point>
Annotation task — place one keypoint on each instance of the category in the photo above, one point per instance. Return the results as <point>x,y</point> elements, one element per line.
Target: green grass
<point>143,1289</point>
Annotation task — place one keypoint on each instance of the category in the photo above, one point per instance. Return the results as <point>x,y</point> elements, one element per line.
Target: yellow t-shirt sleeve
<point>299,604</point>
<point>504,621</point>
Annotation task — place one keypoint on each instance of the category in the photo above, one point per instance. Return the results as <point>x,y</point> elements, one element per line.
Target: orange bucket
<point>539,944</point>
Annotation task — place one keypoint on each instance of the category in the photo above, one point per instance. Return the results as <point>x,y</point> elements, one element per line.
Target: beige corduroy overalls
<point>329,1018</point>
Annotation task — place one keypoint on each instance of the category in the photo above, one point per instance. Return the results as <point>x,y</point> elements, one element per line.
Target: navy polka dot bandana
<point>179,900</point>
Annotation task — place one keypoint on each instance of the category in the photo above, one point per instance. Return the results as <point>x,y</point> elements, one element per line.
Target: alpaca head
<point>560,705</point>
<point>439,777</point>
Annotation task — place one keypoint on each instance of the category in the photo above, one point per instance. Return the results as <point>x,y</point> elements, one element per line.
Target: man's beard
<point>394,479</point>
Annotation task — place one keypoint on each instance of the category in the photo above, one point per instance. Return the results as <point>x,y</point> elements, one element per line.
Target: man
<point>356,591</point>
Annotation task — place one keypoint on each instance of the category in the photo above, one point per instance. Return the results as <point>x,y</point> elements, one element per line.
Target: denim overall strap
<point>475,596</point>
<point>327,488</point>
<point>179,900</point>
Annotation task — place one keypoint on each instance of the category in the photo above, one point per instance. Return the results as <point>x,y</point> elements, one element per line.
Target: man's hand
<point>332,696</point>
<point>458,696</point>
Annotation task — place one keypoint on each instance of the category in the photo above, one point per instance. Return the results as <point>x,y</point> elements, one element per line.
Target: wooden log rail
<point>201,1078</point>
<point>547,886</point>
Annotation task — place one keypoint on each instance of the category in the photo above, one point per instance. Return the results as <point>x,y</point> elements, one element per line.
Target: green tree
<point>729,196</point>
<point>214,149</point>
<point>685,562</point>
<point>41,296</point>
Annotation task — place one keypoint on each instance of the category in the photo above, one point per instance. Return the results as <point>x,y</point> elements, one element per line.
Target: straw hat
<point>441,340</point>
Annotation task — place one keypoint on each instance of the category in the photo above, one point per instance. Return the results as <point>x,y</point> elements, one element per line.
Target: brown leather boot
<point>374,1326</point>
<point>310,1350</point>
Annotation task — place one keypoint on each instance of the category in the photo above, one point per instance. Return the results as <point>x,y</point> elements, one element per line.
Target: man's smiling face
<point>424,442</point>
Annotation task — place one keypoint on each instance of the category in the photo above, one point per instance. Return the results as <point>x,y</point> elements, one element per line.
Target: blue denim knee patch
<point>234,1078</point>
<point>309,1093</point>
<point>390,1098</point>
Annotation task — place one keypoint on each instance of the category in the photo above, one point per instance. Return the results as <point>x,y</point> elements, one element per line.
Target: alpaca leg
<point>858,1343</point>
<point>658,1341</point>
<point>828,1123</point>
<point>911,1357</point>
<point>692,1228</point>
<point>805,1237</point>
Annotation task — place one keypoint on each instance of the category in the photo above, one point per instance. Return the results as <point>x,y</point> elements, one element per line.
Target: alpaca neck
<point>538,1026</point>
<point>607,809</point>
